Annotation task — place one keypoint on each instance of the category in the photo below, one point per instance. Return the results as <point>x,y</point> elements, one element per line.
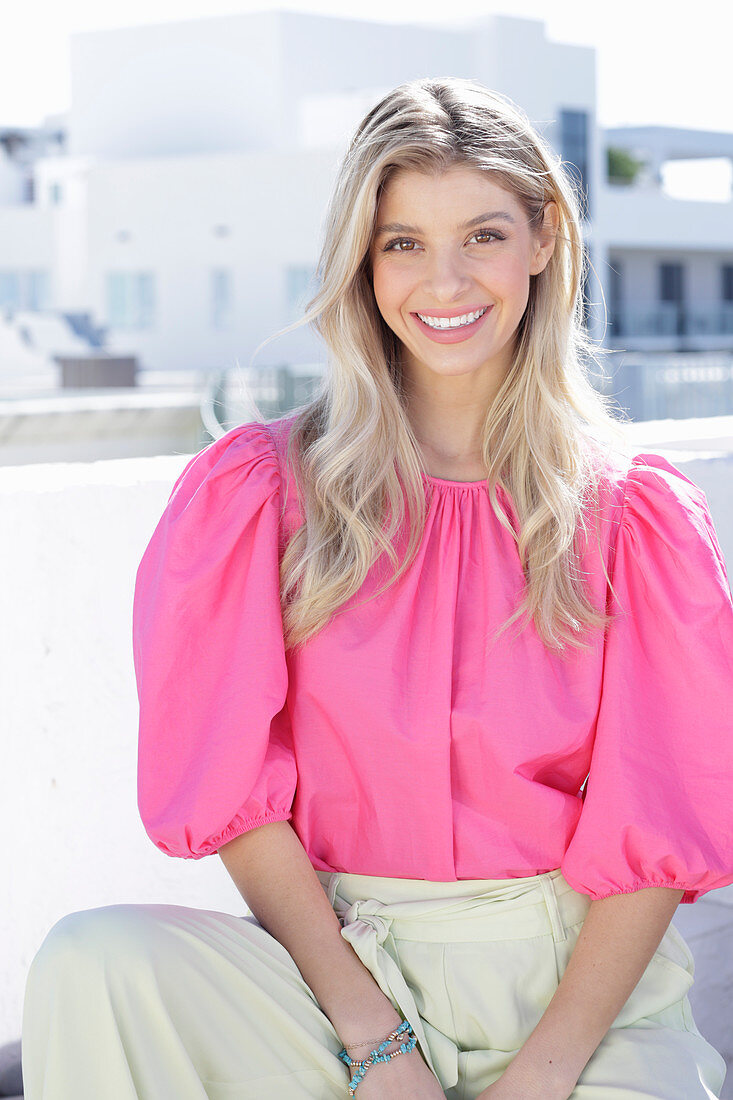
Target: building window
<point>615,296</point>
<point>300,286</point>
<point>130,299</point>
<point>672,297</point>
<point>574,152</point>
<point>10,289</point>
<point>670,283</point>
<point>37,290</point>
<point>221,297</point>
<point>726,272</point>
<point>55,193</point>
<point>24,290</point>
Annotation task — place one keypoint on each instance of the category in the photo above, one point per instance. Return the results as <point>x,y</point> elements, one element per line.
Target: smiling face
<point>451,261</point>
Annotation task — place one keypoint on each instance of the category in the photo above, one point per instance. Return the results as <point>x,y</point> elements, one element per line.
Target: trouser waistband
<point>466,910</point>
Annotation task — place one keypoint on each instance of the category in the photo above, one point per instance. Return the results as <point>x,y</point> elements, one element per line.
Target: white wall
<point>272,205</point>
<point>72,836</point>
<point>26,233</point>
<point>199,84</point>
<point>647,219</point>
<point>70,228</point>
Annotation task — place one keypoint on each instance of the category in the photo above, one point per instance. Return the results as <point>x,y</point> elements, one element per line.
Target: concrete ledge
<point>79,427</point>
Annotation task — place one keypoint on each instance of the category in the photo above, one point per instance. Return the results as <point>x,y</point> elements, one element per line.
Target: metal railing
<point>671,319</point>
<point>676,386</point>
<point>646,385</point>
<point>235,396</point>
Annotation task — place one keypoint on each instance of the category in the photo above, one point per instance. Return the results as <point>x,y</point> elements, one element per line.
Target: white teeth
<point>452,322</point>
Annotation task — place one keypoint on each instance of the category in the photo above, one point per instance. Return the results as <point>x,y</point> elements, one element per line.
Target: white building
<point>669,272</point>
<point>184,214</point>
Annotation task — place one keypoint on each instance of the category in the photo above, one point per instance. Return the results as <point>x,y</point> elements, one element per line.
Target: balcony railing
<point>671,319</point>
<point>659,386</point>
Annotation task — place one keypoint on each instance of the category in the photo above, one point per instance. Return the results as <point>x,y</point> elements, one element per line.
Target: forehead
<point>456,185</point>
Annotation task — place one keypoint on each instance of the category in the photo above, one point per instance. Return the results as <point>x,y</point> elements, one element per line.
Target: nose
<point>446,277</point>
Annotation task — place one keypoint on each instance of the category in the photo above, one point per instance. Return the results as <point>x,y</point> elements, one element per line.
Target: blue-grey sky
<point>656,63</point>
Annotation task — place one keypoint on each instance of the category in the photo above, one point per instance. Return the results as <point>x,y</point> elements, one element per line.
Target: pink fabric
<point>402,740</point>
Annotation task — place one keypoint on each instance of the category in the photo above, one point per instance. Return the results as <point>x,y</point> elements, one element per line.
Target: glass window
<point>37,290</point>
<point>24,289</point>
<point>10,289</point>
<point>673,315</point>
<point>130,299</point>
<point>615,296</point>
<point>670,283</point>
<point>727,281</point>
<point>574,151</point>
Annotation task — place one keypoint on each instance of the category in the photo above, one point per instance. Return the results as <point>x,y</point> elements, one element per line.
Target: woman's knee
<point>110,936</point>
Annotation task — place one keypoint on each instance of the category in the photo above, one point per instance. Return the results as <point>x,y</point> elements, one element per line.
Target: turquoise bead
<point>377,1056</point>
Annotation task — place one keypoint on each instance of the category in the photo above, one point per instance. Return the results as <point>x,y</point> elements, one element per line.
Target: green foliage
<point>621,166</point>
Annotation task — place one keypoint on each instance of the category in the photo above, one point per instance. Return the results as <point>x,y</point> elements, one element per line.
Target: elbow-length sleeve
<point>658,806</point>
<point>215,755</point>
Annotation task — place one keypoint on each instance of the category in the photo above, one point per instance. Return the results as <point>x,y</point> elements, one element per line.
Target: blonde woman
<point>442,673</point>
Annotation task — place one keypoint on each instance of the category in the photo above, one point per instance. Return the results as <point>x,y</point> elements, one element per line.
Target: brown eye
<point>401,241</point>
<point>489,233</point>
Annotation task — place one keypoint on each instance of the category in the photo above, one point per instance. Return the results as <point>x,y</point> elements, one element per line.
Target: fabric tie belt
<point>511,910</point>
<point>368,929</point>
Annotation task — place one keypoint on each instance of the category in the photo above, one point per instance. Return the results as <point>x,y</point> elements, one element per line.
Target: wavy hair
<point>356,460</point>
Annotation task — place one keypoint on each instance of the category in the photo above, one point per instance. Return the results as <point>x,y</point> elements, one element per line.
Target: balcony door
<point>672,296</point>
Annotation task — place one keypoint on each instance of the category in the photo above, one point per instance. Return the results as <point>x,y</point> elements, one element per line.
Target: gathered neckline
<point>456,484</point>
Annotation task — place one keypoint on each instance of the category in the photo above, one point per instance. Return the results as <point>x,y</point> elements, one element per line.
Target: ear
<point>543,241</point>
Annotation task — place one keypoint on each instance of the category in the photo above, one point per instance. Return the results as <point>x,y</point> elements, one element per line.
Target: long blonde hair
<point>351,447</point>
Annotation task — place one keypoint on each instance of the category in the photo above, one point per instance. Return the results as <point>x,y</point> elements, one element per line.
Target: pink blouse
<point>402,740</point>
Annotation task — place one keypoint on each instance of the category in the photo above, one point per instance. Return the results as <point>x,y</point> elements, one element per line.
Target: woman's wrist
<point>357,1032</point>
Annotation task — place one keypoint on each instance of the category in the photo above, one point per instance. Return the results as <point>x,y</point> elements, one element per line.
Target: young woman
<point>441,671</point>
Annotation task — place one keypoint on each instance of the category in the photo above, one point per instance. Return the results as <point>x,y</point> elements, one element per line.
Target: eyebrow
<point>494,215</point>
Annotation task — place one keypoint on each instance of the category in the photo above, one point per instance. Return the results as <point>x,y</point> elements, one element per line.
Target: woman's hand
<point>509,1088</point>
<point>500,1090</point>
<point>406,1077</point>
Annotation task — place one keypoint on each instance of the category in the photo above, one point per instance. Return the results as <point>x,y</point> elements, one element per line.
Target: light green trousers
<point>165,1002</point>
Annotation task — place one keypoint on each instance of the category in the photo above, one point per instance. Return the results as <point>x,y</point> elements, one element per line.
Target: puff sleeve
<point>214,749</point>
<point>658,807</point>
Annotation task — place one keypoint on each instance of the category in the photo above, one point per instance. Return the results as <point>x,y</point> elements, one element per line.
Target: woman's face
<point>455,245</point>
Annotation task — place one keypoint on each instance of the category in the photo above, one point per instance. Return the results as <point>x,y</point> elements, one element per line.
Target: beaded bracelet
<point>376,1055</point>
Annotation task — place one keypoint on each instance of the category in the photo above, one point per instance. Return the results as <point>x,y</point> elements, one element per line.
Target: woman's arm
<point>273,874</point>
<point>615,945</point>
